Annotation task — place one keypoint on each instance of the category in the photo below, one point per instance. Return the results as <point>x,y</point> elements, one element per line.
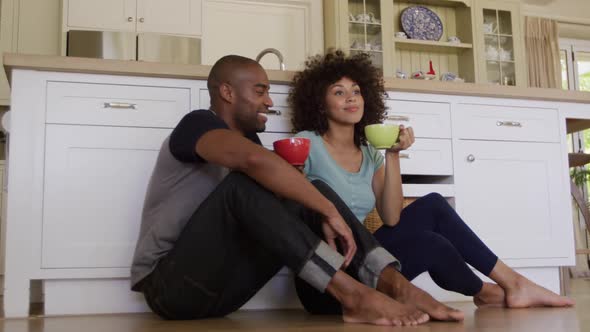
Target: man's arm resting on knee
<point>232,150</point>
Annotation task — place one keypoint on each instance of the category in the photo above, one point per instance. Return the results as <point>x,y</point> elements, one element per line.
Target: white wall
<point>572,10</point>
<point>573,15</point>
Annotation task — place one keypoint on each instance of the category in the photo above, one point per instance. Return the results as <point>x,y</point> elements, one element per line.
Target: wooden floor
<point>485,320</point>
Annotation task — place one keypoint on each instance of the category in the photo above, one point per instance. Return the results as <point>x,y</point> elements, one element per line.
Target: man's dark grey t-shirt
<point>180,182</point>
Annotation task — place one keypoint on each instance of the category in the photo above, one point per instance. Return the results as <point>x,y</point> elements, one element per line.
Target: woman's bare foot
<point>526,293</point>
<point>392,283</point>
<point>361,304</point>
<point>523,293</point>
<point>490,295</point>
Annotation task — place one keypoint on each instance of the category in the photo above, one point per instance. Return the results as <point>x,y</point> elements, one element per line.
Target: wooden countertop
<point>151,69</point>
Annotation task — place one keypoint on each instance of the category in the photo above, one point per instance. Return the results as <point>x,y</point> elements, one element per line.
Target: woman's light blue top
<point>355,189</point>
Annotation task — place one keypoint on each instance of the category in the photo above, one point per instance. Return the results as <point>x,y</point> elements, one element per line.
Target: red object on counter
<point>431,71</point>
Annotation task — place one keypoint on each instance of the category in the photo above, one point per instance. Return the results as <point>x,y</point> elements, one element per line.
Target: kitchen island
<point>85,134</point>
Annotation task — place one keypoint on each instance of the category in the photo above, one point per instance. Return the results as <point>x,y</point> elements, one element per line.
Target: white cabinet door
<point>247,27</point>
<point>511,194</point>
<point>95,183</point>
<point>117,15</point>
<point>178,17</point>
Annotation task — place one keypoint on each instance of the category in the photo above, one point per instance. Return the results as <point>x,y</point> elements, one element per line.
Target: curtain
<point>542,52</point>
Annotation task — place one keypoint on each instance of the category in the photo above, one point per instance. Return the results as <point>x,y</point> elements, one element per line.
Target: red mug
<point>294,150</point>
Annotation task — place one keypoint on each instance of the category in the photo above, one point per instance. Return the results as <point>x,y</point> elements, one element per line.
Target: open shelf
<point>365,50</point>
<point>443,3</point>
<point>575,125</point>
<point>365,23</point>
<point>497,35</point>
<point>578,159</point>
<point>430,43</point>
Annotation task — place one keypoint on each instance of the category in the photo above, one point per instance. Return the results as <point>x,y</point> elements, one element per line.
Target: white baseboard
<point>100,296</point>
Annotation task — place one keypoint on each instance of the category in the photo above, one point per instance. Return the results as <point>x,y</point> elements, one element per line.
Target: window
<point>564,69</point>
<point>582,64</point>
<point>575,64</point>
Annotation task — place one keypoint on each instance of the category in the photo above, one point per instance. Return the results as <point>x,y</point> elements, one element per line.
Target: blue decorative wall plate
<point>420,22</point>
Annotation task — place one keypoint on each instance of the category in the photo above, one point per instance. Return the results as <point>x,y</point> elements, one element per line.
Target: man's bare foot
<point>361,304</point>
<point>373,307</point>
<point>526,293</point>
<point>392,283</point>
<point>490,295</point>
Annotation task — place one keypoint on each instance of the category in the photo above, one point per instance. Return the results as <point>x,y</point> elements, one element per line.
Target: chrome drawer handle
<point>470,158</point>
<point>404,156</point>
<point>508,123</point>
<point>398,118</point>
<point>128,106</point>
<point>274,112</point>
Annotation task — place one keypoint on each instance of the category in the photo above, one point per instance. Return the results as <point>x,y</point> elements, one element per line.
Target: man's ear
<point>226,92</point>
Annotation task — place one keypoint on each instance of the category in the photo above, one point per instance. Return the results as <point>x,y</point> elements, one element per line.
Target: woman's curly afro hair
<point>307,96</point>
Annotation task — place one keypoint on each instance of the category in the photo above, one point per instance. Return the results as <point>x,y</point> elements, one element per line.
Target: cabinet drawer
<point>427,157</point>
<point>428,119</point>
<point>506,123</point>
<point>279,122</point>
<point>116,105</point>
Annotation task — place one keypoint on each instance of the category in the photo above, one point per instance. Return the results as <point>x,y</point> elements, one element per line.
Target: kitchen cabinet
<point>88,123</point>
<point>89,220</point>
<point>83,144</point>
<point>91,202</point>
<point>500,42</point>
<point>178,17</point>
<point>509,179</point>
<point>247,27</point>
<point>371,26</point>
<point>361,26</point>
<point>491,47</point>
<point>509,191</point>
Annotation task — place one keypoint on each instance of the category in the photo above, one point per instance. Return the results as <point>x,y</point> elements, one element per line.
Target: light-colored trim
<point>145,69</point>
<point>560,19</point>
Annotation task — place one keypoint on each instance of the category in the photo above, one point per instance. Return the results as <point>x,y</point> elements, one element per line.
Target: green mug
<point>382,136</point>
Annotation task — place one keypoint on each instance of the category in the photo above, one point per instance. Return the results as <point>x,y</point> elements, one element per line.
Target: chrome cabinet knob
<point>470,158</point>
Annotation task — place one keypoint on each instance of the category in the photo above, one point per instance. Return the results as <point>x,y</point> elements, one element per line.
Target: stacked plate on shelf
<point>419,22</point>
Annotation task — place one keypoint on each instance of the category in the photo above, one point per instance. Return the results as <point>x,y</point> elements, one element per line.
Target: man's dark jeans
<point>236,241</point>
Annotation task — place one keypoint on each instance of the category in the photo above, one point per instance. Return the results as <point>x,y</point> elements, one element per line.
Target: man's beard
<point>249,124</point>
<point>260,129</point>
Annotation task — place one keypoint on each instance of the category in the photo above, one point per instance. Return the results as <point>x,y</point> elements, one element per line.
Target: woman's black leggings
<point>431,236</point>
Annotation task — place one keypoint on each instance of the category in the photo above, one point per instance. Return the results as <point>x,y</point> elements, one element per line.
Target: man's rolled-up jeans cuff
<point>321,267</point>
<point>374,263</point>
